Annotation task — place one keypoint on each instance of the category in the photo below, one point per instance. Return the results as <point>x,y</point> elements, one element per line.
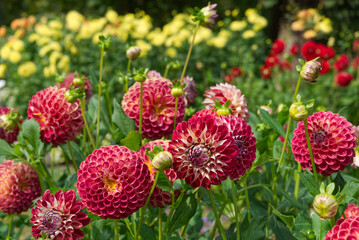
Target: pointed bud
<point>298,111</point>
<point>310,70</point>
<point>133,53</point>
<point>325,205</point>
<point>209,15</point>
<point>162,161</point>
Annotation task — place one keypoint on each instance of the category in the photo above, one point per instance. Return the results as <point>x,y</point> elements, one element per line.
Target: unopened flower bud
<point>139,78</point>
<point>133,53</point>
<point>177,92</point>
<point>223,112</point>
<point>162,161</point>
<point>6,122</point>
<point>209,15</point>
<point>70,97</point>
<point>77,81</point>
<point>325,205</point>
<point>310,70</point>
<point>298,111</point>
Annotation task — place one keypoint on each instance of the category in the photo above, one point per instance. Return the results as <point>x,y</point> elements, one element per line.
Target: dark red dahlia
<point>113,182</point>
<point>344,229</point>
<point>158,198</point>
<point>342,63</point>
<point>19,186</point>
<point>266,72</point>
<point>203,151</point>
<point>9,120</point>
<point>294,50</point>
<point>332,140</point>
<point>356,63</point>
<point>58,216</point>
<point>236,72</point>
<point>60,121</point>
<point>343,79</point>
<point>158,107</point>
<point>309,50</point>
<point>272,60</point>
<point>278,46</point>
<point>87,84</point>
<point>325,67</point>
<point>326,52</point>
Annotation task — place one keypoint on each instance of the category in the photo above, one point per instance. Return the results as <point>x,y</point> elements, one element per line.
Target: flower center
<point>51,221</point>
<point>241,145</point>
<point>198,155</point>
<point>319,137</point>
<point>111,185</point>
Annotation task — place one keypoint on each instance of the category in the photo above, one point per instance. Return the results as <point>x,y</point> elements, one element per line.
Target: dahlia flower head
<point>190,90</point>
<point>158,198</point>
<point>344,229</point>
<point>59,120</point>
<point>87,85</point>
<point>158,108</point>
<point>223,92</point>
<point>58,216</point>
<point>8,128</point>
<point>351,211</point>
<point>113,182</point>
<point>153,74</point>
<point>19,186</point>
<point>278,46</point>
<point>332,139</point>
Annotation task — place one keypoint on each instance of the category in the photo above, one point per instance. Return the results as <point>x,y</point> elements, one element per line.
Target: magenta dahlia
<point>19,186</point>
<point>153,74</point>
<point>158,107</point>
<point>344,229</point>
<point>223,92</point>
<point>60,121</point>
<point>9,120</point>
<point>203,151</point>
<point>190,90</point>
<point>158,198</point>
<point>58,216</point>
<point>351,211</point>
<point>87,84</point>
<point>332,140</point>
<point>113,182</point>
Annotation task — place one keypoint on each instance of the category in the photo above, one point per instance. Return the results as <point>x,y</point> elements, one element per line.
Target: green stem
<point>47,175</point>
<point>141,103</point>
<point>129,228</point>
<point>144,207</point>
<point>175,117</point>
<point>247,202</point>
<point>218,220</point>
<point>125,89</point>
<point>284,144</point>
<point>172,208</point>
<point>74,164</point>
<point>99,97</point>
<point>116,230</point>
<point>83,107</point>
<point>297,182</point>
<point>90,224</point>
<point>159,223</point>
<point>10,226</point>
<point>184,228</point>
<point>310,149</point>
<point>297,88</point>
<point>235,207</point>
<point>216,225</point>
<point>189,52</point>
<point>67,165</point>
<point>168,66</point>
<point>52,161</point>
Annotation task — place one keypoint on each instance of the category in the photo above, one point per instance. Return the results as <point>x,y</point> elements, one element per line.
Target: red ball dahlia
<point>158,198</point>
<point>343,79</point>
<point>278,46</point>
<point>294,50</point>
<point>325,67</point>
<point>236,72</point>
<point>309,50</point>
<point>60,121</point>
<point>158,107</point>
<point>355,63</point>
<point>285,65</point>
<point>58,216</point>
<point>19,186</point>
<point>272,60</point>
<point>351,211</point>
<point>223,92</point>
<point>203,151</point>
<point>332,140</point>
<point>266,72</point>
<point>344,229</point>
<point>326,52</point>
<point>9,120</point>
<point>342,63</point>
<point>113,182</point>
<point>87,84</point>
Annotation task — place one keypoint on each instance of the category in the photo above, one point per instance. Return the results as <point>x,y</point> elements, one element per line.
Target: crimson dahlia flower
<point>8,126</point>
<point>344,229</point>
<point>87,85</point>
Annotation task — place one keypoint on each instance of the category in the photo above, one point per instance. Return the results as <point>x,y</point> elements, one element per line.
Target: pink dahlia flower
<point>223,92</point>
<point>332,140</point>
<point>190,90</point>
<point>60,121</point>
<point>87,85</point>
<point>153,74</point>
<point>351,211</point>
<point>158,198</point>
<point>8,127</point>
<point>58,216</point>
<point>113,182</point>
<point>158,107</point>
<point>19,186</point>
<point>203,151</point>
<point>347,229</point>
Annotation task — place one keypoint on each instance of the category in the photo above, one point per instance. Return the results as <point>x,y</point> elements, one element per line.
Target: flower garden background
<point>218,123</point>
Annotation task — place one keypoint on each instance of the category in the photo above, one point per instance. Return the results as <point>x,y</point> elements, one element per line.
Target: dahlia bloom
<point>344,229</point>
<point>342,63</point>
<point>294,50</point>
<point>113,182</point>
<point>153,74</point>
<point>285,65</point>
<point>58,216</point>
<point>158,198</point>
<point>190,90</point>
<point>351,211</point>
<point>278,46</point>
<point>223,92</point>
<point>236,72</point>
<point>87,86</point>
<point>326,52</point>
<point>19,186</point>
<point>356,45</point>
<point>272,60</point>
<point>60,121</point>
<point>332,140</point>
<point>266,72</point>
<point>343,79</point>
<point>355,63</point>
<point>229,78</point>
<point>203,151</point>
<point>8,126</point>
<point>158,107</point>
<point>325,67</point>
<point>309,50</point>
<point>210,14</point>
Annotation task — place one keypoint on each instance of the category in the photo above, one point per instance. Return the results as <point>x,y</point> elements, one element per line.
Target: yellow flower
<point>238,25</point>
<point>259,23</point>
<point>55,24</point>
<point>171,52</point>
<point>54,56</point>
<point>235,12</point>
<point>220,23</point>
<point>331,42</point>
<point>145,47</point>
<point>14,57</point>
<point>202,34</point>
<point>47,72</point>
<point>2,69</point>
<point>5,52</point>
<point>218,42</point>
<point>298,25</point>
<point>227,13</point>
<point>156,37</point>
<point>254,47</point>
<point>324,26</point>
<point>74,20</point>
<point>64,63</point>
<point>111,16</point>
<point>248,34</point>
<point>309,34</point>
<point>33,37</point>
<point>17,45</point>
<point>26,69</point>
<point>41,41</point>
<point>223,65</point>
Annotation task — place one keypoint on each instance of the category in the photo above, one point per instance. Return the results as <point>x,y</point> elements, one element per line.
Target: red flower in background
<point>326,52</point>
<point>285,65</point>
<point>278,46</point>
<point>272,60</point>
<point>344,229</point>
<point>266,72</point>
<point>228,78</point>
<point>236,72</point>
<point>343,79</point>
<point>325,67</point>
<point>87,85</point>
<point>356,63</point>
<point>342,63</point>
<point>294,50</point>
<point>356,45</point>
<point>309,50</point>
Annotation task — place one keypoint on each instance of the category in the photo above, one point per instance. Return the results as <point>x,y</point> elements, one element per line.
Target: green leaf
<point>253,230</point>
<point>272,123</point>
<point>288,220</point>
<point>100,230</point>
<point>349,191</point>
<point>227,185</point>
<point>70,180</point>
<point>163,182</point>
<point>320,227</point>
<point>261,160</point>
<point>298,68</point>
<point>122,121</point>
<point>301,226</point>
<point>132,141</point>
<point>31,132</point>
<point>6,149</point>
<point>301,61</point>
<point>76,151</point>
<point>339,183</point>
<point>330,188</point>
<point>309,182</point>
<point>183,213</point>
<point>291,199</point>
<point>280,230</point>
<point>147,232</point>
